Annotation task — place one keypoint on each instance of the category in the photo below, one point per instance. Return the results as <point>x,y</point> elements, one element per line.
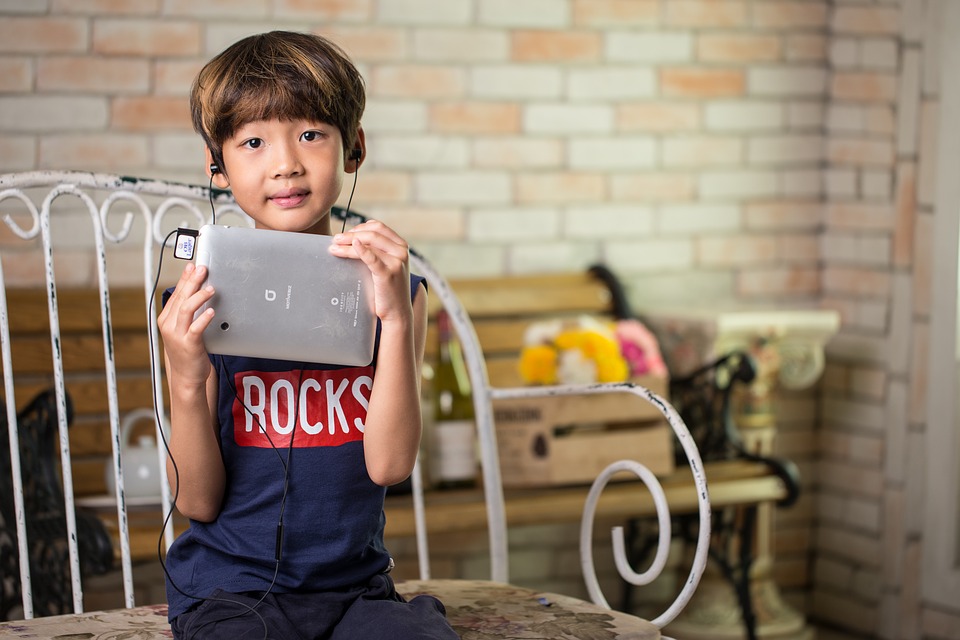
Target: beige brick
<point>418,152</point>
<point>616,13</point>
<point>102,151</point>
<point>905,222</point>
<point>785,150</point>
<point>395,116</point>
<point>503,224</point>
<point>801,183</point>
<point>616,153</point>
<point>778,282</point>
<point>786,80</point>
<point>863,87</point>
<point>560,188</point>
<point>93,75</point>
<point>657,116</point>
<point>332,10</point>
<point>146,37</point>
<point>611,83</point>
<point>653,187</point>
<point>806,48</point>
<point>555,46</point>
<point>93,7</point>
<point>789,15</point>
<point>651,255</point>
<point>217,9</point>
<point>849,477</point>
<point>875,20</point>
<point>516,82</point>
<point>567,119</point>
<point>798,248</point>
<point>649,47</point>
<point>384,187</point>
<point>464,187</point>
<point>604,221</point>
<point>537,257</point>
<point>698,218</point>
<point>175,77</point>
<point>422,223</point>
<point>416,81</point>
<point>17,153</point>
<point>714,47</point>
<point>861,216</point>
<point>702,151</point>
<point>475,118</point>
<point>30,113</point>
<point>784,214</point>
<point>879,120</point>
<point>738,184</point>
<point>508,152</point>
<point>703,13</point>
<point>471,46</point>
<point>860,152</point>
<point>368,44</point>
<point>150,114</point>
<point>856,248</point>
<point>856,281</point>
<point>744,115</point>
<point>729,251</point>
<point>701,82</point>
<point>16,75</point>
<point>42,35</point>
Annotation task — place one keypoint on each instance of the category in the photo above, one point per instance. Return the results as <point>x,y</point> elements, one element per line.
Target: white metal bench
<point>113,203</point>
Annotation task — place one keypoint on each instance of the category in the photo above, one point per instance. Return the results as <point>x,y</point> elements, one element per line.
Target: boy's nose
<point>286,163</point>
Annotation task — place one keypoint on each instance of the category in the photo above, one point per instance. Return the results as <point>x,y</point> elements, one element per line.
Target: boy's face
<point>286,175</point>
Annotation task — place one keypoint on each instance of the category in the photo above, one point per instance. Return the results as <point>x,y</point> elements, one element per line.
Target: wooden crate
<point>570,439</point>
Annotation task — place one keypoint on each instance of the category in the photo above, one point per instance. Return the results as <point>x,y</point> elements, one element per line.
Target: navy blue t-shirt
<point>332,511</point>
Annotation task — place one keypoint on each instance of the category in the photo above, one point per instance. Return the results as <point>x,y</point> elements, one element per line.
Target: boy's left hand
<point>387,256</point>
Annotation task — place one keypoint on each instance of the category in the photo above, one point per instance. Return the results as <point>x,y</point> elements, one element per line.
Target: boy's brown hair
<point>280,74</point>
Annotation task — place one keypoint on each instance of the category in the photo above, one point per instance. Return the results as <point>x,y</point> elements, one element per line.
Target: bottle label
<point>452,452</point>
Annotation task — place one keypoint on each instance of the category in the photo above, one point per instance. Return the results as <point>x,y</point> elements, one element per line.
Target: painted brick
<point>783,214</point>
<point>841,183</point>
<point>93,75</point>
<point>895,425</point>
<point>702,151</point>
<point>174,77</point>
<point>850,478</point>
<point>604,221</point>
<point>475,118</point>
<point>17,153</point>
<point>859,216</point>
<point>611,83</point>
<point>457,260</point>
<point>515,82</point>
<point>780,150</point>
<point>927,169</point>
<point>419,224</point>
<point>922,262</point>
<point>856,249</point>
<point>25,7</point>
<point>700,82</point>
<point>173,150</point>
<point>657,116</point>
<point>537,257</point>
<point>384,187</point>
<point>876,184</point>
<point>418,152</point>
<point>857,448</point>
<point>722,47</point>
<point>612,153</point>
<point>844,52</point>
<point>223,9</point>
<point>417,81</point>
<point>880,119</point>
<point>856,281</point>
<point>616,13</point>
<point>566,119</point>
<point>732,251</point>
<point>220,35</point>
<point>861,152</point>
<point>844,118</point>
<point>866,20</point>
<point>463,188</point>
<point>648,47</point>
<point>101,151</point>
<point>45,35</point>
<point>45,114</point>
<point>697,218</point>
<point>146,37</point>
<point>653,187</point>
<point>778,282</point>
<point>703,13</point>
<point>863,87</point>
<point>786,81</point>
<point>393,116</point>
<point>789,15</point>
<point>369,43</point>
<point>801,183</point>
<point>737,115</point>
<point>908,103</point>
<point>504,224</point>
<point>560,188</point>
<point>651,255</point>
<point>798,248</point>
<point>150,114</point>
<point>806,48</point>
<point>523,13</point>
<point>462,45</point>
<point>881,54</point>
<point>805,115</point>
<point>518,152</point>
<point>738,184</point>
<point>555,46</point>
<point>424,12</point>
<point>16,75</point>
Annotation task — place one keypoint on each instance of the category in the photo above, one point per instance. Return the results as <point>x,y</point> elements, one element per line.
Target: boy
<point>286,535</point>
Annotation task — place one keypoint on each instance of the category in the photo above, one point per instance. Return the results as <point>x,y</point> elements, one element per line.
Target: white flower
<point>574,368</point>
<point>542,332</point>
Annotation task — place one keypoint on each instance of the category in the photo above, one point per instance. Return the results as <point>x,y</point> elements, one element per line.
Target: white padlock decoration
<point>140,461</point>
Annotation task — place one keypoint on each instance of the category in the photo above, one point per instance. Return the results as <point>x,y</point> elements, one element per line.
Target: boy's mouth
<point>289,197</point>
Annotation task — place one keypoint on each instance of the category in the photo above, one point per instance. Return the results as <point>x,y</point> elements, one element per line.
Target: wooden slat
<point>79,310</point>
<point>81,352</point>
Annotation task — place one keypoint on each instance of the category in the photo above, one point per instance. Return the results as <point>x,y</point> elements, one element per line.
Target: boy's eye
<point>310,136</point>
<point>253,143</point>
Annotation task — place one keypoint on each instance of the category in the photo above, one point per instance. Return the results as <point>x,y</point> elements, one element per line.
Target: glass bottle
<point>452,450</point>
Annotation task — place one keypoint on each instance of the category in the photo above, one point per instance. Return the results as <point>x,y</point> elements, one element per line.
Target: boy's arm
<point>195,467</point>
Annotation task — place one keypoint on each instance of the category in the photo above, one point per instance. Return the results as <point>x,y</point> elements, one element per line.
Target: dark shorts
<point>373,612</point>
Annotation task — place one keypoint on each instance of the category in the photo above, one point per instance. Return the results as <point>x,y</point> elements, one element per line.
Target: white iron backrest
<point>159,203</point>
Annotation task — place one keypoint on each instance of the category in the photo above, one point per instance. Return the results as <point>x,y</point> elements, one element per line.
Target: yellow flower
<point>538,364</point>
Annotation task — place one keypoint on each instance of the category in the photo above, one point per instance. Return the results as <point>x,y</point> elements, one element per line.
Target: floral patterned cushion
<point>477,609</point>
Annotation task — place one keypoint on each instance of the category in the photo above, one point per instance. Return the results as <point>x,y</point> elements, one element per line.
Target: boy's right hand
<point>182,333</point>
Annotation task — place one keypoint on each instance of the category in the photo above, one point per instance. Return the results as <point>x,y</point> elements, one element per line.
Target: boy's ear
<point>215,171</point>
<point>355,156</point>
